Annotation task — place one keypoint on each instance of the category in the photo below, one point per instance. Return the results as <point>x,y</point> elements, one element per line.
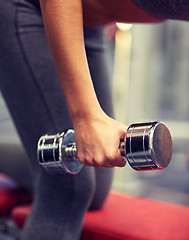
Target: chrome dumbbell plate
<point>148,146</point>
<point>57,153</point>
<point>69,158</point>
<point>49,153</point>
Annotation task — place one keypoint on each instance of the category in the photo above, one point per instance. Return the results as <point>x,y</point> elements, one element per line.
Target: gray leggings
<point>35,99</point>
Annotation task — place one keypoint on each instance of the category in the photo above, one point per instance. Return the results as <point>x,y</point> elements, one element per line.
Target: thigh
<point>28,78</point>
<point>32,89</point>
<point>34,96</point>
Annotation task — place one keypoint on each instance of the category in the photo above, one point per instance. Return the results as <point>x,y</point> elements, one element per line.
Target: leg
<point>34,96</point>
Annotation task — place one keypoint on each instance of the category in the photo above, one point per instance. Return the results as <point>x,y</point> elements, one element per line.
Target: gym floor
<point>170,185</point>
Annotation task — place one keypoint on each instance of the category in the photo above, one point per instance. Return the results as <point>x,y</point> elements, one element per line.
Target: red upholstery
<point>10,198</point>
<point>19,215</point>
<point>126,217</point>
<point>11,195</point>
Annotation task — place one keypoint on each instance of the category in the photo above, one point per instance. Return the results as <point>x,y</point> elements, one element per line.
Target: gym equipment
<point>147,146</point>
<point>134,218</point>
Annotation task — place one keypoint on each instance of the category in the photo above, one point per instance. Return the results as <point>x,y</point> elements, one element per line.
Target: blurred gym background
<point>150,74</point>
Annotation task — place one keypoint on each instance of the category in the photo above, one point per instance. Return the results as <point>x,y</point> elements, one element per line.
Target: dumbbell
<point>147,146</point>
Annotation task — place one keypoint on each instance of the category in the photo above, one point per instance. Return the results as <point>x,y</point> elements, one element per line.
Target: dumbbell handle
<point>70,151</point>
<point>147,146</point>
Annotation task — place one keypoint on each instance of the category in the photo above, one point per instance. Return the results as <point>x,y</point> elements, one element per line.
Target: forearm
<point>63,22</point>
<point>170,9</point>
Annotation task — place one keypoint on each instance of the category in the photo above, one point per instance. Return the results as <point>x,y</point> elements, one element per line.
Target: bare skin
<point>97,135</point>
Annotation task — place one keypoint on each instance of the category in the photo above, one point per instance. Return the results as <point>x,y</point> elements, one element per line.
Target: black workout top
<point>166,9</point>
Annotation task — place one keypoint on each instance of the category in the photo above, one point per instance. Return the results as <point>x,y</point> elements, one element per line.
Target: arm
<point>64,28</point>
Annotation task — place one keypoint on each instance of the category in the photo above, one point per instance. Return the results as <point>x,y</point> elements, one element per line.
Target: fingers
<point>103,155</point>
<point>106,160</point>
<point>98,142</point>
<point>117,161</point>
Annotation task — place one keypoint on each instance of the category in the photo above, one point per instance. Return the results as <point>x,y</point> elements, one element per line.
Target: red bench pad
<point>9,198</point>
<point>126,217</point>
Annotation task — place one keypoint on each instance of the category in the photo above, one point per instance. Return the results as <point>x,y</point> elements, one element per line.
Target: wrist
<point>82,100</point>
<point>86,113</point>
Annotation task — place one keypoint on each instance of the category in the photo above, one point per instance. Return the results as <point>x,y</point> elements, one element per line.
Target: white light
<point>124,26</point>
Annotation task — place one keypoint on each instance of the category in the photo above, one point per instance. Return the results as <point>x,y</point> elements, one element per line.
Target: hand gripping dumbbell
<point>147,146</point>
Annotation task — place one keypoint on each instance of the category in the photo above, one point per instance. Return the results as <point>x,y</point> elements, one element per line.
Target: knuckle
<point>110,157</point>
<point>98,161</point>
<point>89,160</point>
<point>83,159</point>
